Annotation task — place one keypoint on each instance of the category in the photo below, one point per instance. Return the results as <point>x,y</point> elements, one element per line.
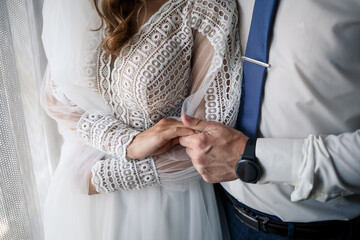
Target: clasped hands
<point>213,147</point>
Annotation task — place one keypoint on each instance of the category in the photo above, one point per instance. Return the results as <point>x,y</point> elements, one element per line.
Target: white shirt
<point>310,116</point>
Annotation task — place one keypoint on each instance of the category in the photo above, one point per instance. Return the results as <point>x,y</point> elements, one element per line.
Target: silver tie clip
<point>255,61</point>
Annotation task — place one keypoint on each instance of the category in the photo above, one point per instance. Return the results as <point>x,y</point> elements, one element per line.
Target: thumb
<point>194,123</point>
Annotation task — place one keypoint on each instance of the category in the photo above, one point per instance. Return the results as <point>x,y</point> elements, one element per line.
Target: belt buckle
<point>262,223</point>
<point>260,220</point>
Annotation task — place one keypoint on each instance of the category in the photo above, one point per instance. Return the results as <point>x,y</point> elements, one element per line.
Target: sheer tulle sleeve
<point>58,106</point>
<point>214,96</point>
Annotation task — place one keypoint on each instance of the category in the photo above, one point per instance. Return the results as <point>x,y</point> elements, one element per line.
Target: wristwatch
<point>247,169</point>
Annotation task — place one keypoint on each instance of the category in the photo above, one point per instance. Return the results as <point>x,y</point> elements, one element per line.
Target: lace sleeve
<point>214,96</point>
<point>114,174</point>
<point>109,135</point>
<point>216,79</point>
<point>217,35</point>
<point>106,133</point>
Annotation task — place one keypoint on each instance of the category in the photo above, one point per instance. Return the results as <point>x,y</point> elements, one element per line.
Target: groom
<point>293,171</point>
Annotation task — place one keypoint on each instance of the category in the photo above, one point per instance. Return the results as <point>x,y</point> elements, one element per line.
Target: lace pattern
<point>116,174</point>
<point>106,133</point>
<point>216,20</point>
<point>151,79</point>
<point>55,91</point>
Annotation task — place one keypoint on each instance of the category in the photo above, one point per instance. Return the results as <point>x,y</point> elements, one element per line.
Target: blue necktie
<point>255,64</point>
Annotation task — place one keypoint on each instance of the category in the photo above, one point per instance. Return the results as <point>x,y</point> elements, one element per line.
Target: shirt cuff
<point>280,160</point>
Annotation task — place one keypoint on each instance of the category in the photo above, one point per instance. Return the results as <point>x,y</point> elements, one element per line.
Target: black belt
<point>311,230</point>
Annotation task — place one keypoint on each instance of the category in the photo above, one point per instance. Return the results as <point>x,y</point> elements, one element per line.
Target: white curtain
<point>25,165</point>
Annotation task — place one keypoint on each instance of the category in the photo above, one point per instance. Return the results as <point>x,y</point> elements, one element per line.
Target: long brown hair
<point>118,16</point>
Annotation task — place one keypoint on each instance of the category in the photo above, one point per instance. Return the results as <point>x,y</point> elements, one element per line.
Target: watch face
<point>248,171</point>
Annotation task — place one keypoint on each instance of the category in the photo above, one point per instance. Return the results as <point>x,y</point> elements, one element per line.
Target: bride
<point>120,75</point>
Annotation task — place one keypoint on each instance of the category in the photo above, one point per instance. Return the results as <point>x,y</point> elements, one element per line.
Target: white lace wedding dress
<point>186,58</point>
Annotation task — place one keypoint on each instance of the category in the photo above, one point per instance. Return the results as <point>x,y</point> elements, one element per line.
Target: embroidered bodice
<point>152,77</point>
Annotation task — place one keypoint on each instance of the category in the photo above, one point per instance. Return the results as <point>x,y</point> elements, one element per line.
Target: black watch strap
<point>249,151</point>
<point>247,169</point>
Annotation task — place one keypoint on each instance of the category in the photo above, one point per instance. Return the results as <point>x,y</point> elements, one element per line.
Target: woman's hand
<point>157,139</point>
<point>154,141</point>
<point>92,188</point>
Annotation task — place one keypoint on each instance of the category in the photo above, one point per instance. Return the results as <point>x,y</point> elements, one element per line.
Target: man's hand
<point>215,150</point>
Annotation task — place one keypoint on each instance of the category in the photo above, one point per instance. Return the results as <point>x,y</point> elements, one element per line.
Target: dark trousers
<point>240,231</point>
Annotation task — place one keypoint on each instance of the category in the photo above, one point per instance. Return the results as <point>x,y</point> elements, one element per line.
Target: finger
<point>175,141</point>
<point>162,149</point>
<point>175,132</point>
<point>189,141</point>
<point>194,123</point>
<point>170,122</point>
<point>189,152</point>
<point>166,146</point>
<point>184,132</point>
